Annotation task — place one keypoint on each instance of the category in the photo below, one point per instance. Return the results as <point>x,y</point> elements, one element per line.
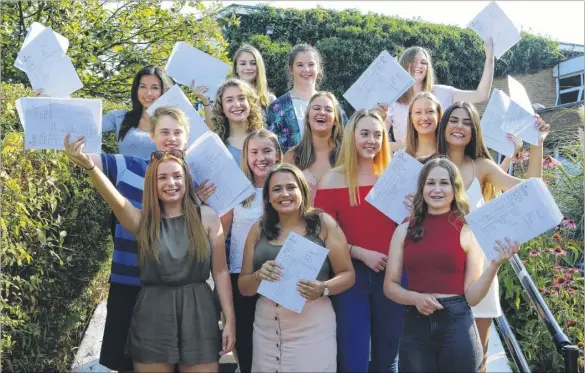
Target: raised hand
<point>506,250</point>
<point>205,190</point>
<point>543,127</point>
<point>488,47</point>
<point>75,152</point>
<point>199,92</point>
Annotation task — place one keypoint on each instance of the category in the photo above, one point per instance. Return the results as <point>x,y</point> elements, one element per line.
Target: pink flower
<point>571,322</point>
<point>521,156</point>
<point>570,291</point>
<point>570,271</point>
<point>556,237</point>
<point>569,224</point>
<point>543,291</point>
<point>561,281</point>
<point>550,163</point>
<point>558,268</point>
<point>534,253</point>
<point>559,251</point>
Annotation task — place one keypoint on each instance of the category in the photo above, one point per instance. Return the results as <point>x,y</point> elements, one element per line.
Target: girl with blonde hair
<point>363,312</point>
<point>248,65</point>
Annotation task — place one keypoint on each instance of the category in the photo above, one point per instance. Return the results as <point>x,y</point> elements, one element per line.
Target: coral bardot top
<point>363,225</point>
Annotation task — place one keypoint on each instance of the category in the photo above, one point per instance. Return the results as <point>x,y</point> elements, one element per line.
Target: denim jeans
<point>445,341</point>
<point>363,312</point>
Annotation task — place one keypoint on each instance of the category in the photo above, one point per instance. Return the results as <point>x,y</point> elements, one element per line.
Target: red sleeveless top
<point>436,263</point>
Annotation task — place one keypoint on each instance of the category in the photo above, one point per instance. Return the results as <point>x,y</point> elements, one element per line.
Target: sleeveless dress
<point>489,307</point>
<point>286,341</point>
<point>174,318</point>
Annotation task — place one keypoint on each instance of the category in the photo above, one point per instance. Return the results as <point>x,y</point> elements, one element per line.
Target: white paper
<point>208,158</point>
<point>384,81</point>
<point>519,119</point>
<point>176,97</point>
<point>188,63</point>
<point>398,180</point>
<point>301,259</point>
<point>491,124</point>
<point>521,214</point>
<point>35,29</point>
<point>48,67</point>
<point>47,120</point>
<point>493,23</point>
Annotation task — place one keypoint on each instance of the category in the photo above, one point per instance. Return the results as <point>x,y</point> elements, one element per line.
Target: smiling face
<point>438,191</point>
<point>368,137</point>
<point>458,131</point>
<point>284,193</point>
<point>168,134</point>
<point>246,67</point>
<point>149,90</point>
<point>321,115</point>
<point>262,156</point>
<point>418,67</point>
<point>305,69</point>
<point>235,104</point>
<point>424,116</point>
<point>170,182</point>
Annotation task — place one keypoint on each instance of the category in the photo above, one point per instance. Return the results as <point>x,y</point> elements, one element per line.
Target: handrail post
<point>571,358</point>
<point>503,327</point>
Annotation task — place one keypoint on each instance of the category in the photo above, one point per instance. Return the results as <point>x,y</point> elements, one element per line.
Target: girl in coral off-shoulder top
<point>363,311</point>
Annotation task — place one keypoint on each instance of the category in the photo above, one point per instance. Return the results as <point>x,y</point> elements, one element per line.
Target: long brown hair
<point>292,55</point>
<point>459,205</point>
<point>258,134</point>
<point>149,228</point>
<point>304,151</point>
<point>411,133</point>
<point>261,82</point>
<point>221,124</point>
<point>475,149</point>
<point>270,219</point>
<point>406,60</point>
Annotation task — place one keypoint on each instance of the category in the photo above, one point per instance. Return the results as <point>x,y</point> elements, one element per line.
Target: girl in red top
<point>363,311</point>
<point>444,264</point>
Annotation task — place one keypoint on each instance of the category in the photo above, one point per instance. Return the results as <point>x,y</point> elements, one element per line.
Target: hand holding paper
<point>493,23</point>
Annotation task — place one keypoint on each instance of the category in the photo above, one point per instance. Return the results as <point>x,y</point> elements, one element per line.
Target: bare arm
<point>482,93</point>
<point>338,256</point>
<point>289,157</point>
<point>248,281</point>
<point>199,92</point>
<point>127,214</point>
<point>226,221</point>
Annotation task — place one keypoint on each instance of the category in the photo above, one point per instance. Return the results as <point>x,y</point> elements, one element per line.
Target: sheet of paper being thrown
<point>521,214</point>
<point>301,259</point>
<point>47,66</point>
<point>397,181</point>
<point>188,63</point>
<point>208,158</point>
<point>34,30</point>
<point>491,124</point>
<point>493,23</point>
<point>519,119</point>
<point>176,97</point>
<point>47,120</point>
<point>384,81</point>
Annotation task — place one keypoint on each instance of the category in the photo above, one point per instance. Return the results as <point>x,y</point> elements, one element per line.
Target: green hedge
<point>349,41</point>
<point>55,246</point>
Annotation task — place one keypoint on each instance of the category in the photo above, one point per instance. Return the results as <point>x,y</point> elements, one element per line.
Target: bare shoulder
<point>467,239</point>
<point>289,156</point>
<point>208,214</point>
<point>401,230</point>
<point>328,221</point>
<point>334,178</point>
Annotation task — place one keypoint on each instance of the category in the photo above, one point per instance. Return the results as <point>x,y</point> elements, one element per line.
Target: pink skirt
<point>285,341</point>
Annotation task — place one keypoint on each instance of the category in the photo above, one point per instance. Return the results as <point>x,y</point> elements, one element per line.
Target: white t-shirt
<point>242,222</point>
<point>300,110</point>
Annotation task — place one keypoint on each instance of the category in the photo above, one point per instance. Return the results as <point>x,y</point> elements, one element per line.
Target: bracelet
<point>89,169</point>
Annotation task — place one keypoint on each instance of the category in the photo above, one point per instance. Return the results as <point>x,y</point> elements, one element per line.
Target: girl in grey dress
<point>174,319</point>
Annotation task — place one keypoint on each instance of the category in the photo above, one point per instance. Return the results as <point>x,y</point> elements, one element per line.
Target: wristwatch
<point>325,290</point>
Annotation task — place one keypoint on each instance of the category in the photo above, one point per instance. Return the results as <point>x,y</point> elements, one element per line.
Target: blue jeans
<point>363,312</point>
<point>445,341</point>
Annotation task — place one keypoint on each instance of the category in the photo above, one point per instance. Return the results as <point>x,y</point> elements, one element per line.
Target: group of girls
<point>397,291</point>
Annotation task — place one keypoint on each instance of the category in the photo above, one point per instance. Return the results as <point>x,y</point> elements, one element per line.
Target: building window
<point>570,88</point>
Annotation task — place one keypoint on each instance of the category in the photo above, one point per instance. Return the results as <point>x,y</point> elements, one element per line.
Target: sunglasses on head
<point>177,153</point>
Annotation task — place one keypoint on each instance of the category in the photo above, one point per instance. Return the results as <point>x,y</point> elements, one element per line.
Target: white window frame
<point>567,90</point>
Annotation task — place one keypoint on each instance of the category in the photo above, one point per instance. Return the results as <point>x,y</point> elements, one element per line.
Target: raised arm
<point>199,92</point>
<point>127,214</point>
<point>482,93</point>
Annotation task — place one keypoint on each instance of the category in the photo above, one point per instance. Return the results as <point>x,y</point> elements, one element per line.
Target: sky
<point>560,20</point>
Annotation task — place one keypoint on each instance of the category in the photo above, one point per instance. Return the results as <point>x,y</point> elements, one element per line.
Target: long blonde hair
<point>475,149</point>
<point>148,235</point>
<point>258,134</point>
<point>459,205</point>
<point>411,133</point>
<point>406,60</point>
<point>347,162</point>
<point>221,124</point>
<point>261,83</point>
<point>304,151</point>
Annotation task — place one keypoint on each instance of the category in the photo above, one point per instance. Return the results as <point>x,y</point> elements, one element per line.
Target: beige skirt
<point>285,341</point>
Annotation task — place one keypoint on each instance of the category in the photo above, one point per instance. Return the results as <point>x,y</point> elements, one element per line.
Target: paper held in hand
<point>187,63</point>
<point>491,124</point>
<point>176,97</point>
<point>47,120</point>
<point>383,82</point>
<point>301,259</point>
<point>43,60</point>
<point>34,30</point>
<point>521,214</point>
<point>493,23</point>
<point>208,158</point>
<point>519,119</point>
<point>398,180</point>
